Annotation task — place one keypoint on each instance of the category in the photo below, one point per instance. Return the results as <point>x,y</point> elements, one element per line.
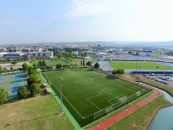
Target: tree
<point>114,71</point>
<point>88,63</point>
<point>1,69</point>
<point>83,62</point>
<point>13,62</point>
<point>3,95</point>
<point>121,71</point>
<point>23,92</point>
<point>58,66</point>
<point>42,63</point>
<point>31,70</point>
<point>49,67</point>
<point>118,71</point>
<point>33,79</point>
<point>34,89</point>
<point>96,65</point>
<point>25,67</point>
<point>35,66</point>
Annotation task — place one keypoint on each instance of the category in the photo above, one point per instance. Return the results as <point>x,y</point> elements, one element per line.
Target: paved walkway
<point>106,124</point>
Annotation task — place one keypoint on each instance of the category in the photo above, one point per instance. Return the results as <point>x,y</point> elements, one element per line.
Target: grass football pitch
<point>88,92</point>
<point>140,65</point>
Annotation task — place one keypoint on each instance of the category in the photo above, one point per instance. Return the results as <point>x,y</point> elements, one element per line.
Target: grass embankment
<point>39,113</point>
<point>140,119</point>
<point>132,65</point>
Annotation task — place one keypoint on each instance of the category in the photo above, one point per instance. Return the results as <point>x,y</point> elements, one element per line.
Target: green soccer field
<point>87,92</point>
<point>132,65</point>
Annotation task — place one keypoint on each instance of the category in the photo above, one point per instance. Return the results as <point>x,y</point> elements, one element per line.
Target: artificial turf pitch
<point>86,92</point>
<point>139,65</point>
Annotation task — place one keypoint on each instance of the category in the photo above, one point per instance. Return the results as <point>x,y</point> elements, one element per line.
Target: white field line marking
<point>94,96</point>
<point>67,100</point>
<point>84,117</point>
<point>125,87</point>
<point>93,104</point>
<point>110,101</point>
<point>108,90</point>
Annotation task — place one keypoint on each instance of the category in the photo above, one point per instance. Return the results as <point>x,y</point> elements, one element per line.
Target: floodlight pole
<point>62,110</point>
<point>61,100</point>
<point>46,75</point>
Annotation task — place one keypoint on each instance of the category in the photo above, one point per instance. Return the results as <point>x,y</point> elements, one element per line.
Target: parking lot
<point>162,78</point>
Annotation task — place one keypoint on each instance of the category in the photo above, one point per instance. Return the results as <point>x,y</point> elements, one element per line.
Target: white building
<point>19,54</point>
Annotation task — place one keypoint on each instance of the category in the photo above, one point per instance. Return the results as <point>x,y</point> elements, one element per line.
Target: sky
<point>32,21</point>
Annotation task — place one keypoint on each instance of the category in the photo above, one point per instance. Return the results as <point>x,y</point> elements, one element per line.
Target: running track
<point>106,124</point>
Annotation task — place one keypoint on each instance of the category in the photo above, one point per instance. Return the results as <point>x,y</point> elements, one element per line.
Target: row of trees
<point>118,71</point>
<point>34,83</point>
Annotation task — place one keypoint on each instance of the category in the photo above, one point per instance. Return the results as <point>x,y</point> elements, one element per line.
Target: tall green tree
<point>25,67</point>
<point>33,79</point>
<point>34,89</point>
<point>35,66</point>
<point>96,65</point>
<point>3,95</point>
<point>1,69</point>
<point>83,62</point>
<point>23,92</point>
<point>58,66</point>
<point>88,63</point>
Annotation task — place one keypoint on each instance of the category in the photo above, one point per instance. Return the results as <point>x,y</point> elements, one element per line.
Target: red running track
<point>106,124</point>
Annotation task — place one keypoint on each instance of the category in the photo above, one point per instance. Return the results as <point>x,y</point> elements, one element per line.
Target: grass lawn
<point>140,65</point>
<point>140,119</point>
<point>87,92</point>
<point>51,62</point>
<point>39,113</point>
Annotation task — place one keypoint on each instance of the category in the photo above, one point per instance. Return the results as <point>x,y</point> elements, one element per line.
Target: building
<point>12,56</point>
<point>146,53</point>
<point>40,54</point>
<point>21,54</point>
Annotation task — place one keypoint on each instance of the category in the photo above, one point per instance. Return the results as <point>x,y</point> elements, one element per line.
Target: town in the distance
<point>86,86</point>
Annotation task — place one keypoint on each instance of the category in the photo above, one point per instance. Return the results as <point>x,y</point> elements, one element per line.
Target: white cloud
<point>7,21</point>
<point>89,7</point>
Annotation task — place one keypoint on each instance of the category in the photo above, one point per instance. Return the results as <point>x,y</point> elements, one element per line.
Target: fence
<point>86,120</point>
